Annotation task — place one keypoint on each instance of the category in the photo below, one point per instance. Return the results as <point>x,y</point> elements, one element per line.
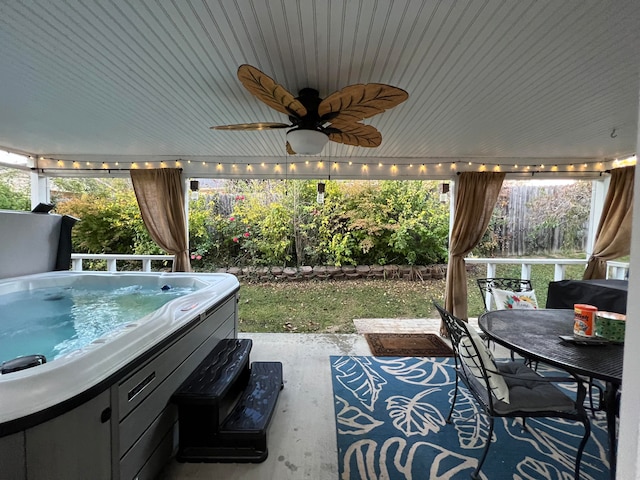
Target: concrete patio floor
<point>302,435</point>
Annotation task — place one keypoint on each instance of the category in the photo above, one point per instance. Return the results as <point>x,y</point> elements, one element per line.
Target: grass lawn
<point>330,306</point>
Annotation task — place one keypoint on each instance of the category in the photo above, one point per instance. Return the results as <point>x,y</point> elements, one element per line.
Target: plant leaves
<point>364,460</point>
<point>472,426</point>
<point>531,469</point>
<point>413,417</point>
<point>357,376</point>
<point>353,421</point>
<point>420,371</point>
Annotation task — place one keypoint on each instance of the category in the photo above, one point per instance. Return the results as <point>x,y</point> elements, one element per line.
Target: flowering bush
<point>282,224</point>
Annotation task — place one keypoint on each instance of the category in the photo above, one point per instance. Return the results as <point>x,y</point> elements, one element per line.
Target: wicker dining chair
<point>510,389</point>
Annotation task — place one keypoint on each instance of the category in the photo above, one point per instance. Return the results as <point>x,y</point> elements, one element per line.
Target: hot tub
<point>104,405</point>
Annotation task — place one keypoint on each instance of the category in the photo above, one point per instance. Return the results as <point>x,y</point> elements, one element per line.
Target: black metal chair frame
<point>486,285</point>
<point>481,390</point>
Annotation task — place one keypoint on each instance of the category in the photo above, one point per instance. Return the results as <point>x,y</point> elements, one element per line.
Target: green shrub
<point>12,197</point>
<point>386,222</point>
<point>110,222</point>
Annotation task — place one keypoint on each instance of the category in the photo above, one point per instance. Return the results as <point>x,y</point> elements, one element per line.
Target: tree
<point>530,219</point>
<point>110,219</point>
<point>14,194</point>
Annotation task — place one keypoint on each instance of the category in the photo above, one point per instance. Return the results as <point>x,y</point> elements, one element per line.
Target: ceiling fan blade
<point>290,150</point>
<point>252,126</point>
<point>360,101</point>
<point>356,134</point>
<point>268,91</point>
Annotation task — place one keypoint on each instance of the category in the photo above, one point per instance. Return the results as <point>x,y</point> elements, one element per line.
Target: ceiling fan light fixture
<point>306,142</point>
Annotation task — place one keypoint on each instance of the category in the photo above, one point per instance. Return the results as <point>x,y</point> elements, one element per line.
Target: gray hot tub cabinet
<point>125,427</point>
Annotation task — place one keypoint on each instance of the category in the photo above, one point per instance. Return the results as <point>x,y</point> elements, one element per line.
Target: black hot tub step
<point>221,369</point>
<point>243,434</point>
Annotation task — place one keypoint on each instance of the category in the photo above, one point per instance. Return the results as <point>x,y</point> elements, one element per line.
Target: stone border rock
<point>332,272</point>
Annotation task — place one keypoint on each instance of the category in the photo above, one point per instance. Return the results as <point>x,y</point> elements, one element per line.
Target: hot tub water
<point>55,321</point>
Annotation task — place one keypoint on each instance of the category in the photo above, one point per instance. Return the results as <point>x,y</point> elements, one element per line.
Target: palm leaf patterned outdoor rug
<point>391,424</point>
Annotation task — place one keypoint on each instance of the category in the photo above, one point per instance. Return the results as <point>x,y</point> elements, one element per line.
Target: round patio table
<point>534,334</point>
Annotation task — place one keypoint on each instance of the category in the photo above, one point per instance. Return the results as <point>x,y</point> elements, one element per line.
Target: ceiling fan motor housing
<point>310,98</point>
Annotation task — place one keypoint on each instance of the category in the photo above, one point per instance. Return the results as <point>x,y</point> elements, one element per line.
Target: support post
<point>40,189</point>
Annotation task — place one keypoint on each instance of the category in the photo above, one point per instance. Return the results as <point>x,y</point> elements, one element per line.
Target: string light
<point>308,167</point>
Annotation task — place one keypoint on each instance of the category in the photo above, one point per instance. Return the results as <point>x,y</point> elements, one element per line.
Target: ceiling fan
<point>313,120</point>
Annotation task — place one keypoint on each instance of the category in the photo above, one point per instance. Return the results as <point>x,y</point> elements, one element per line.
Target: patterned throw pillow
<point>468,355</point>
<point>516,300</point>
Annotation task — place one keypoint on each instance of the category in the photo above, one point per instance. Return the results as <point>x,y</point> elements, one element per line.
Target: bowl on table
<point>611,326</point>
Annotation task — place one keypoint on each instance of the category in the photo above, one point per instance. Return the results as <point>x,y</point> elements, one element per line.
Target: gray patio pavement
<point>302,435</point>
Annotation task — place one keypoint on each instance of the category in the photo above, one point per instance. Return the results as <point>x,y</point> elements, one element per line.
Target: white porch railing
<point>112,259</point>
<point>560,265</point>
<point>616,270</point>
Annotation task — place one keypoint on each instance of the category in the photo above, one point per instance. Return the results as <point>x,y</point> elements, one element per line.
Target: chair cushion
<point>506,299</point>
<point>467,353</point>
<point>526,395</point>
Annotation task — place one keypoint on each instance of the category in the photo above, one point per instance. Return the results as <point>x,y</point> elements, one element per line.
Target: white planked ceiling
<point>495,81</point>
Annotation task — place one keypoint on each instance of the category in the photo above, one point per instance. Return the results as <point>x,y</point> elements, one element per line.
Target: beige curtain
<point>613,238</point>
<point>476,197</point>
<point>160,198</point>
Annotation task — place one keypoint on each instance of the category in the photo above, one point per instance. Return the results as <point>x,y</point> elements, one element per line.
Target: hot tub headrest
<point>22,363</point>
